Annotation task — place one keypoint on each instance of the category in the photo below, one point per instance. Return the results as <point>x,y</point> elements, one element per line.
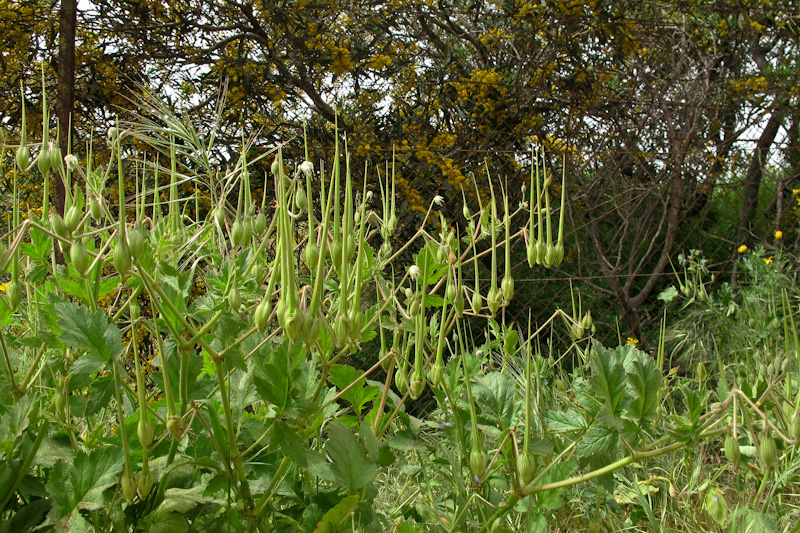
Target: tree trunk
<point>65,95</point>
<point>755,171</point>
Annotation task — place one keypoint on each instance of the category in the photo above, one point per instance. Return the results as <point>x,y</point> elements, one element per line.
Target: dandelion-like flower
<point>4,286</point>
<point>768,260</point>
<point>779,234</point>
<point>631,341</point>
<point>742,249</point>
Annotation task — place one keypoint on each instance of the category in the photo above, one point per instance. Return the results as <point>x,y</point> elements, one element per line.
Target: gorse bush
<point>250,420</point>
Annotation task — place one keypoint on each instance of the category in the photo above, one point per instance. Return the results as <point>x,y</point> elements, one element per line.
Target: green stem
<point>258,511</point>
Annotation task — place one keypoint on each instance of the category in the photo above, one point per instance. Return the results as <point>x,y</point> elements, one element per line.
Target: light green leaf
<point>496,395</point>
<point>608,382</point>
<point>562,422</point>
<point>331,522</point>
<point>716,506</point>
<point>89,332</point>
<point>290,443</point>
<point>599,439</point>
<point>80,484</point>
<point>644,381</point>
<point>349,463</point>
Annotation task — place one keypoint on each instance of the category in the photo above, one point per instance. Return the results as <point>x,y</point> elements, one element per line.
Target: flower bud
<point>237,232</point>
<point>134,310</point>
<point>71,162</point>
<point>450,292</point>
<point>247,231</point>
<point>458,304</point>
<point>311,329</point>
<point>586,321</point>
<point>558,254</point>
<point>493,301</point>
<point>768,453</point>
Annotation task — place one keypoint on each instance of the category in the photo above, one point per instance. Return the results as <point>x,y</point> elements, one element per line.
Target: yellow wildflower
<point>768,260</point>
<point>779,234</point>
<point>742,249</point>
<point>4,286</point>
<point>632,340</point>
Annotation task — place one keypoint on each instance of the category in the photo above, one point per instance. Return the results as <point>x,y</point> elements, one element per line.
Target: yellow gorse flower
<point>742,249</point>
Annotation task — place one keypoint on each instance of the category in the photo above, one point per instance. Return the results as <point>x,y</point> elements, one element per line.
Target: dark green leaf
<point>597,440</point>
<point>496,396</point>
<point>644,381</point>
<point>562,422</point>
<point>608,382</point>
<point>333,519</point>
<point>80,484</point>
<point>89,332</point>
<point>290,443</point>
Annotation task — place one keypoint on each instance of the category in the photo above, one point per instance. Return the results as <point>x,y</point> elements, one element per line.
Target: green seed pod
<point>576,331</point>
<point>771,369</point>
<point>549,256</point>
<point>134,310</point>
<point>458,304</point>
<point>414,309</point>
<point>436,373</point>
<point>417,385</point>
<point>794,429</point>
<point>586,321</point>
<point>391,225</point>
<point>768,453</point>
<point>235,299</point>
<point>58,225</point>
<point>237,232</point>
<point>247,231</point>
<point>701,373</point>
<point>558,254</point>
<point>136,240</point>
<point>260,224</point>
<point>312,255</point>
<point>145,431</point>
<point>531,254</point>
<point>450,292</point>
<point>262,313</point>
<point>96,209</point>
<point>507,287</point>
<point>385,250</point>
<point>477,302</point>
<point>122,258</point>
<point>732,451</point>
<point>143,484</point>
<point>23,157</point>
<point>259,273</point>
<point>341,329</point>
<point>219,216</point>
<point>401,381</point>
<point>541,252</point>
<point>355,322</point>
<point>43,161</point>
<point>175,427</point>
<point>762,369</point>
<point>311,330</point>
<point>526,467</point>
<point>129,488</point>
<point>478,462</point>
<point>56,158</point>
<point>336,253</point>
<point>294,325</point>
<point>80,257</point>
<point>59,405</point>
<point>300,199</point>
<point>493,301</point>
<point>14,294</point>
<point>72,218</point>
<point>442,253</point>
<point>349,247</point>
